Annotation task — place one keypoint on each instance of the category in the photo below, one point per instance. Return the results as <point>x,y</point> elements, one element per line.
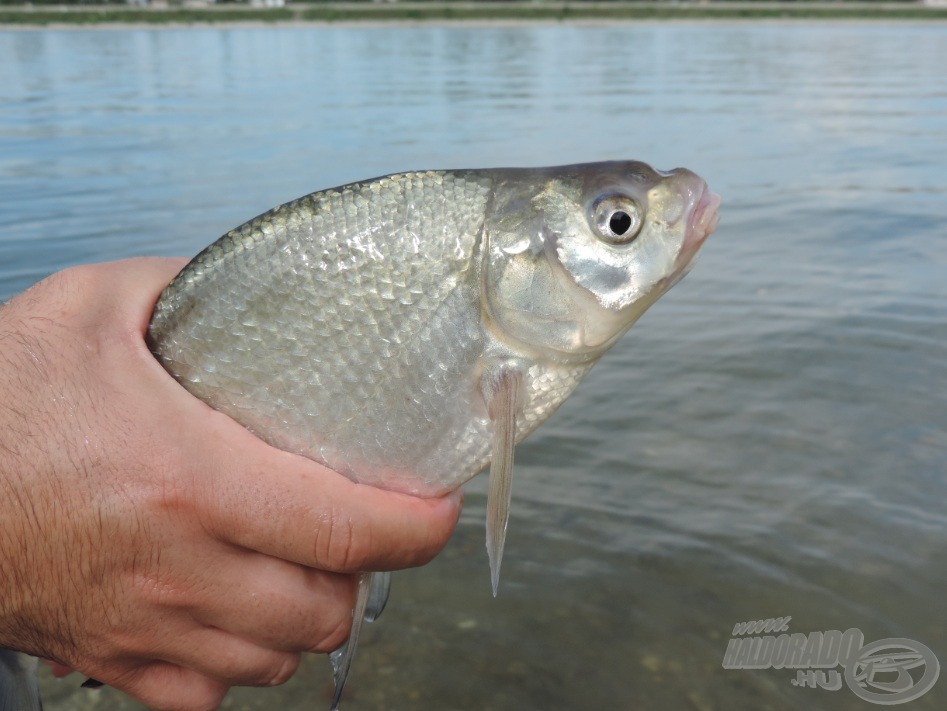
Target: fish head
<point>575,255</point>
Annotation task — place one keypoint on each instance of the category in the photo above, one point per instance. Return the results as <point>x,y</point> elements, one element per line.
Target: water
<point>769,440</point>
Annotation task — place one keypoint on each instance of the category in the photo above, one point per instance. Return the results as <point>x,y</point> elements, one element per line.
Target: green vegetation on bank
<point>439,10</point>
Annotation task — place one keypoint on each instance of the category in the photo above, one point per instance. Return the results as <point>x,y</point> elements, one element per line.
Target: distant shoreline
<point>434,11</point>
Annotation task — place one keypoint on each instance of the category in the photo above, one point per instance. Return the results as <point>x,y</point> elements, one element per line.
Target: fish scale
<point>408,331</point>
<point>399,291</point>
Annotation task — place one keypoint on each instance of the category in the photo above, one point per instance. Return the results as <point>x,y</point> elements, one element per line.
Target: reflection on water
<point>769,440</point>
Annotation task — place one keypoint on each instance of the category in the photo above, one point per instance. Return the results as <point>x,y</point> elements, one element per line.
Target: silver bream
<point>409,330</point>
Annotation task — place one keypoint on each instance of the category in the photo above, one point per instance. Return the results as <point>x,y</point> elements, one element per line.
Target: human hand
<point>151,542</point>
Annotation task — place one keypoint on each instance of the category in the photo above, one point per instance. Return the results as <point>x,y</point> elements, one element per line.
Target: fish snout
<point>704,217</point>
<point>700,213</point>
<point>699,204</point>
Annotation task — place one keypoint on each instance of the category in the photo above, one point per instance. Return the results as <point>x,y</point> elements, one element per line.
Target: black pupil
<point>619,222</point>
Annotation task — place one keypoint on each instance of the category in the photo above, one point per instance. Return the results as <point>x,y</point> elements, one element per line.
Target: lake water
<point>770,440</point>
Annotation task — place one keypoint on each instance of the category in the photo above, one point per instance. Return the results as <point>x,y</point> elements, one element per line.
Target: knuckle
<point>335,637</point>
<point>339,546</point>
<point>230,667</point>
<point>283,671</point>
<point>268,668</point>
<point>330,619</point>
<point>163,687</point>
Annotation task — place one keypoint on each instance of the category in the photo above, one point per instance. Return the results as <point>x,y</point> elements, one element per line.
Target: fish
<point>19,688</point>
<point>409,330</point>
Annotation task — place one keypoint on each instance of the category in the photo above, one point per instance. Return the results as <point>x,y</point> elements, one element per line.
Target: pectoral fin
<point>503,391</point>
<point>341,659</point>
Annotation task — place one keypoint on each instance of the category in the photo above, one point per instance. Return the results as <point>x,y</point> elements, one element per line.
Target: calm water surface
<point>769,440</point>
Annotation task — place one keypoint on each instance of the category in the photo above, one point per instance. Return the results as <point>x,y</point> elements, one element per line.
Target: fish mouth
<point>703,218</point>
<point>701,222</point>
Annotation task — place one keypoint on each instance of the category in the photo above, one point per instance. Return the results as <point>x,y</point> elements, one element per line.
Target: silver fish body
<point>409,330</point>
<point>356,326</point>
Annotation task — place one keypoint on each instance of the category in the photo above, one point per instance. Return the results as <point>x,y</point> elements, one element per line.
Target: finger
<point>278,605</point>
<point>58,670</point>
<point>219,655</point>
<point>167,687</point>
<point>140,281</point>
<point>231,659</point>
<point>125,291</point>
<point>289,507</point>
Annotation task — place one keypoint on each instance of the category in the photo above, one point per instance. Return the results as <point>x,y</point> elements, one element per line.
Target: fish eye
<point>617,219</point>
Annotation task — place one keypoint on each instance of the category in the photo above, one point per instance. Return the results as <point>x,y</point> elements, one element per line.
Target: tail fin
<point>19,690</point>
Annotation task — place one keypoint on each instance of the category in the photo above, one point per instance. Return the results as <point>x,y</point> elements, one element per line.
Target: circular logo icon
<point>881,671</point>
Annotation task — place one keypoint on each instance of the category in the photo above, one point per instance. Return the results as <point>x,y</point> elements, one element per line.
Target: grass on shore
<point>432,11</point>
